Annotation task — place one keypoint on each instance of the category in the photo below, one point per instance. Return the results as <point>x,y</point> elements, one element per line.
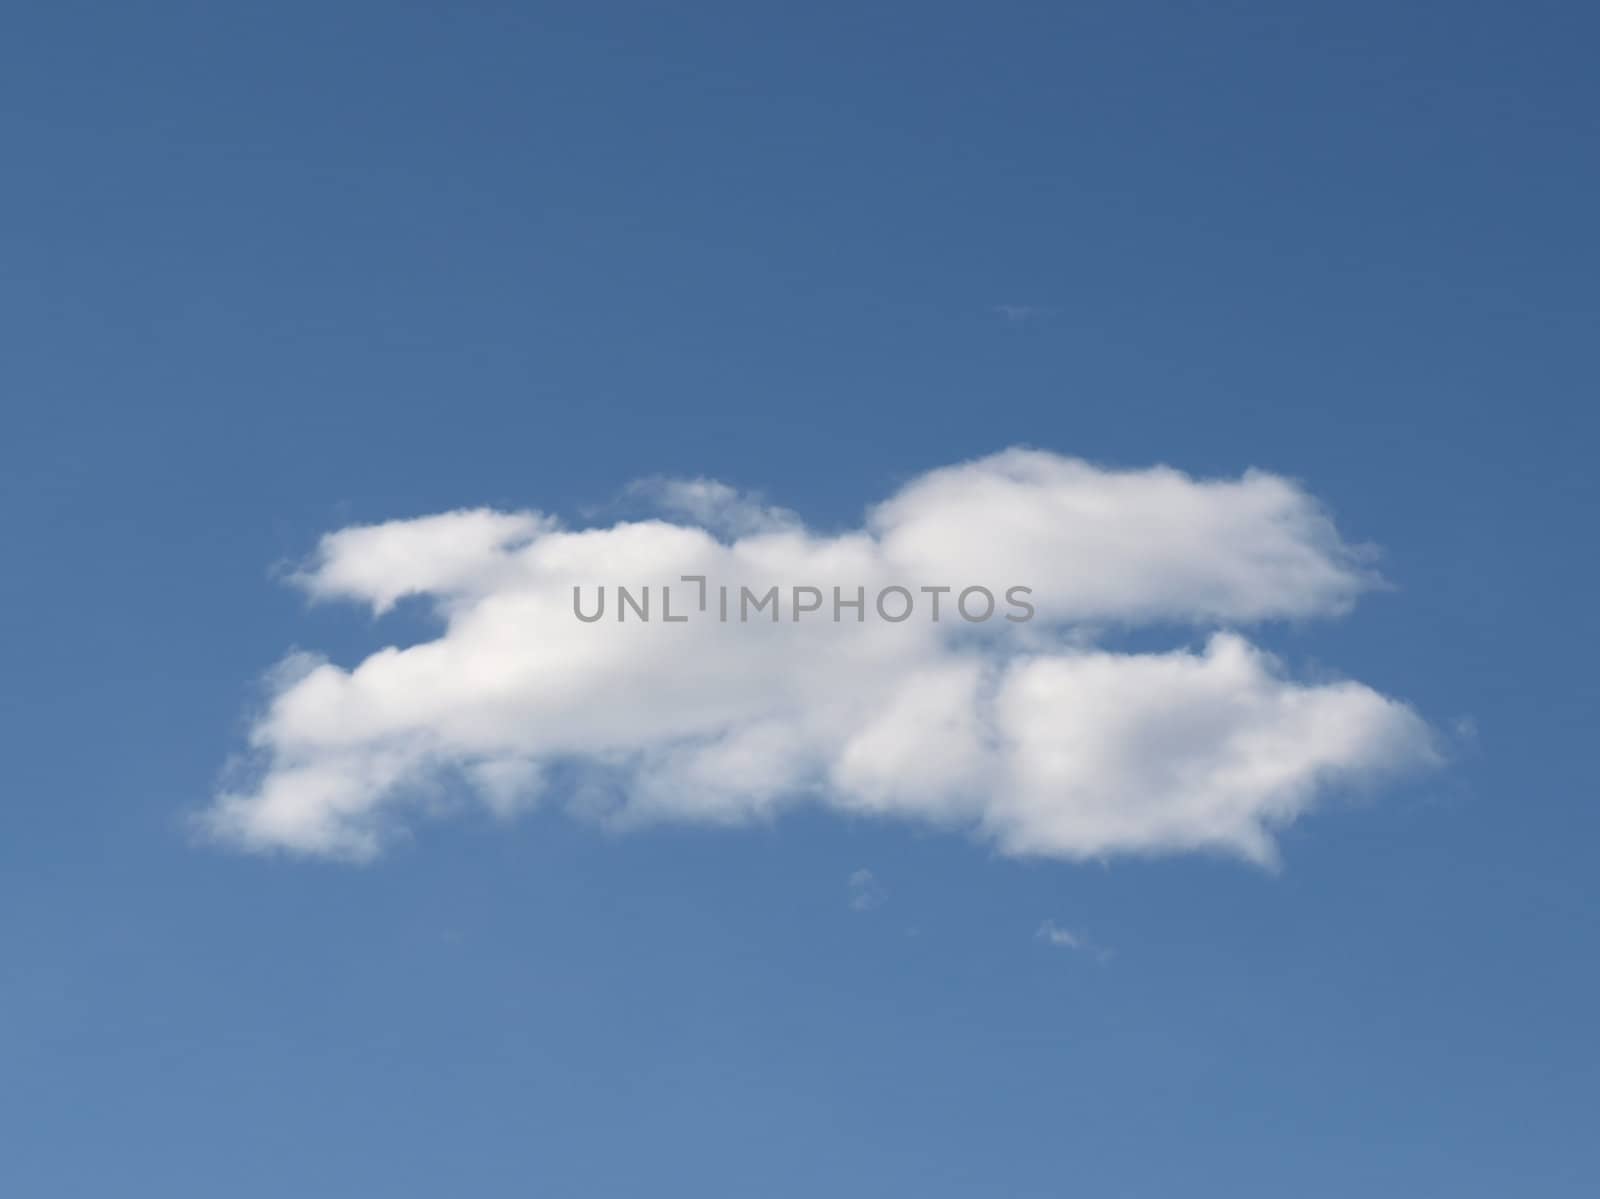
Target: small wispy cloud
<point>715,506</point>
<point>1058,937</point>
<point>1052,933</point>
<point>866,892</point>
<point>1021,313</point>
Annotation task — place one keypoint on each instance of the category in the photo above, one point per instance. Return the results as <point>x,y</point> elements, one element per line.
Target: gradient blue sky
<point>271,270</point>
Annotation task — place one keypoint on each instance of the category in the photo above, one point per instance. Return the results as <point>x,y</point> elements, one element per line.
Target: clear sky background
<point>272,270</point>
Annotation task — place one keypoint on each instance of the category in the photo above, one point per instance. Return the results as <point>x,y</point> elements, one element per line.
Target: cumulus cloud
<point>1034,737</point>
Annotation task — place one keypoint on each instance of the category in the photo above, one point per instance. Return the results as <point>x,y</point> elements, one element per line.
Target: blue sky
<point>275,273</point>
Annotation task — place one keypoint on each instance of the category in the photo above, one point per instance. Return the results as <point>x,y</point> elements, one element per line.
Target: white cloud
<point>866,892</point>
<point>1020,313</point>
<point>714,506</point>
<point>1059,937</point>
<point>1033,737</point>
<point>1052,933</point>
